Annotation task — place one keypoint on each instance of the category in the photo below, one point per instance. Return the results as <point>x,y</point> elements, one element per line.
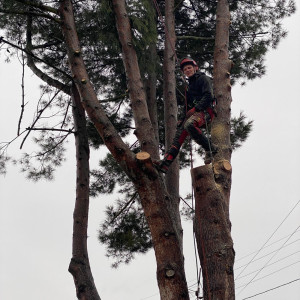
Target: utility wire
<point>270,264</point>
<point>265,247</point>
<point>258,279</point>
<point>266,255</point>
<point>269,260</point>
<point>268,240</point>
<point>274,288</point>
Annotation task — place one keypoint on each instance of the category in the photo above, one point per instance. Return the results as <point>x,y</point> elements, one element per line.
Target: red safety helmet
<point>188,61</point>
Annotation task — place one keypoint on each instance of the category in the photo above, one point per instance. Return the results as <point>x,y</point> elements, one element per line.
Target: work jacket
<point>199,93</point>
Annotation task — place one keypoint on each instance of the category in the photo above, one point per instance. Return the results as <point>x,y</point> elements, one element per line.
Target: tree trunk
<point>214,243</point>
<point>170,102</point>
<point>212,183</point>
<point>151,89</point>
<point>156,203</point>
<point>79,266</point>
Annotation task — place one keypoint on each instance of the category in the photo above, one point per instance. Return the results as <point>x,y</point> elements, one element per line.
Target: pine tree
<point>117,89</point>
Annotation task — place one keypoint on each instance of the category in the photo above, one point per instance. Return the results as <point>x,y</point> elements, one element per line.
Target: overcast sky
<point>36,218</point>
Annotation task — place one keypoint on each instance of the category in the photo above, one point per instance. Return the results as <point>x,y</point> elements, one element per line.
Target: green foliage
<point>3,160</point>
<point>107,177</point>
<point>125,232</point>
<point>42,164</point>
<point>240,130</point>
<point>255,28</point>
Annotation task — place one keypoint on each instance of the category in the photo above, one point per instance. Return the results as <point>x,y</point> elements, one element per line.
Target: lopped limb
<point>146,164</point>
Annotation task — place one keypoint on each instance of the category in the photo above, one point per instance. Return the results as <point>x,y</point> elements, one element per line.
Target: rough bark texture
<point>151,89</point>
<point>170,103</point>
<point>212,183</point>
<point>156,203</point>
<point>79,266</point>
<point>213,237</point>
<point>144,130</point>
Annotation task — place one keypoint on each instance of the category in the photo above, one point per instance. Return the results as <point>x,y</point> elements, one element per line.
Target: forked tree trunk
<point>79,266</point>
<point>212,183</point>
<point>156,203</point>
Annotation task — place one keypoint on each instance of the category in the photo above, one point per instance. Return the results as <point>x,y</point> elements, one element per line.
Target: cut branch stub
<point>222,165</point>
<point>144,160</point>
<point>143,157</point>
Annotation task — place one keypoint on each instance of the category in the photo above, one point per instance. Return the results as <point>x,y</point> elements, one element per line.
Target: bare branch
<point>26,13</point>
<point>38,117</point>
<point>50,129</point>
<point>199,38</point>
<point>39,6</point>
<point>35,57</point>
<point>23,94</point>
<point>131,200</point>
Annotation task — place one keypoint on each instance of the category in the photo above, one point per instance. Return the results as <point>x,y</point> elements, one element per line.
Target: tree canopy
<point>255,28</point>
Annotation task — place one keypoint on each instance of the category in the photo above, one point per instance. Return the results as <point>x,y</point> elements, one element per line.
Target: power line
<point>258,279</point>
<point>274,288</point>
<point>266,247</point>
<point>268,240</point>
<point>268,254</point>
<point>271,264</point>
<point>269,260</point>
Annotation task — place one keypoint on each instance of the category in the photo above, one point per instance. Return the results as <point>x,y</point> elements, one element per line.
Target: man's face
<point>189,70</point>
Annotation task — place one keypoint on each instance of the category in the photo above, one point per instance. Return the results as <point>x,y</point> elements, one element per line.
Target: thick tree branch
<point>30,62</point>
<point>144,131</point>
<point>170,106</point>
<point>106,130</point>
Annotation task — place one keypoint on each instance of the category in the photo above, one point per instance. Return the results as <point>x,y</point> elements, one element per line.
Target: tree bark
<point>170,102</point>
<point>155,200</point>
<point>214,243</point>
<point>212,183</point>
<point>79,266</point>
<point>144,130</point>
<point>151,90</point>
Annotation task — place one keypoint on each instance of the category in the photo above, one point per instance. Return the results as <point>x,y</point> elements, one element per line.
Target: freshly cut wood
<point>223,164</point>
<point>143,156</point>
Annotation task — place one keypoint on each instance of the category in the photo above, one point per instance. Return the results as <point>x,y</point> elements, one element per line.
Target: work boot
<point>163,165</point>
<point>208,157</point>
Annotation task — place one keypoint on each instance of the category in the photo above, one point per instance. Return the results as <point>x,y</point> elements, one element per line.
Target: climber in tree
<point>199,110</point>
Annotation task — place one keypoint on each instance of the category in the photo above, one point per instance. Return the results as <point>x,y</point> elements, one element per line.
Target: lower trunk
<point>166,232</point>
<point>212,231</point>
<point>79,265</point>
